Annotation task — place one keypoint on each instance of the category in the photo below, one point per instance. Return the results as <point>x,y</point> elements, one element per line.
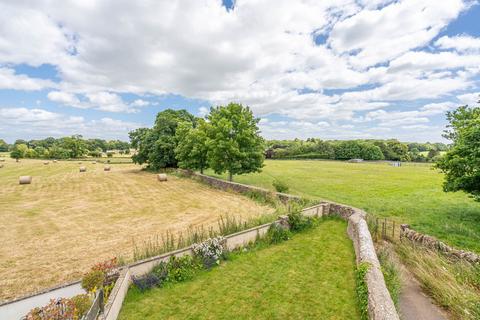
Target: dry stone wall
<point>435,244</point>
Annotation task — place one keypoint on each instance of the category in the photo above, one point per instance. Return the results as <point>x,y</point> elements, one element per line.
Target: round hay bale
<point>162,177</point>
<point>2,160</point>
<point>107,168</point>
<point>25,180</point>
<point>83,169</point>
<point>79,162</point>
<point>1,165</point>
<point>46,162</point>
<point>54,161</point>
<point>94,162</point>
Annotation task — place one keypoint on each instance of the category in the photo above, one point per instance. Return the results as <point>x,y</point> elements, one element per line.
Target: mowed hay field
<point>410,194</point>
<point>54,229</point>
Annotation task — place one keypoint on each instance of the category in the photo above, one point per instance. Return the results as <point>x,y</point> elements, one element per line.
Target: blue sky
<point>325,69</point>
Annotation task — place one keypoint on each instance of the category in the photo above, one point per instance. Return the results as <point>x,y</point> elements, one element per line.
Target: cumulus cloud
<point>309,61</point>
<point>31,123</point>
<point>10,80</point>
<point>460,43</point>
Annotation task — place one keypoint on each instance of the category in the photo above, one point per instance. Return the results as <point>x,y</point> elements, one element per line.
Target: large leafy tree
<point>191,151</point>
<point>234,143</point>
<point>75,144</point>
<point>156,146</point>
<point>461,163</point>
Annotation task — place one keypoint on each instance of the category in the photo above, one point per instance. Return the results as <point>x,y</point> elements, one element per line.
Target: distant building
<point>396,163</point>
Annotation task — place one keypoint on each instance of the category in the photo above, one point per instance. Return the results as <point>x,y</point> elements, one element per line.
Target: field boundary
<point>433,243</point>
<point>237,187</point>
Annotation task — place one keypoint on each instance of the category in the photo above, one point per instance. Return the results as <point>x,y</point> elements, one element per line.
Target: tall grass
<point>391,272</point>
<point>453,284</point>
<point>169,241</point>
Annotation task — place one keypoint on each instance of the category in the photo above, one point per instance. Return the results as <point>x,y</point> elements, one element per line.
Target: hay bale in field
<point>107,168</point>
<point>25,180</point>
<point>94,162</point>
<point>83,169</point>
<point>2,160</point>
<point>46,162</point>
<point>162,177</point>
<point>1,166</point>
<point>54,161</point>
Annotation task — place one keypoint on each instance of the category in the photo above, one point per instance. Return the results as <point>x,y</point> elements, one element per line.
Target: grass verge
<point>454,285</point>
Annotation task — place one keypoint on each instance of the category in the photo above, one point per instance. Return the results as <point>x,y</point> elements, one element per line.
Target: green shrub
<point>299,222</point>
<point>93,280</point>
<point>277,233</point>
<point>362,289</point>
<point>82,304</point>
<point>280,186</point>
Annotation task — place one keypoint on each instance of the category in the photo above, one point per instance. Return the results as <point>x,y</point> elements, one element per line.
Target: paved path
<point>18,309</point>
<point>414,304</point>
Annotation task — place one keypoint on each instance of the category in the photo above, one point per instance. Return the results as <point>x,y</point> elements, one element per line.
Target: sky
<point>330,69</point>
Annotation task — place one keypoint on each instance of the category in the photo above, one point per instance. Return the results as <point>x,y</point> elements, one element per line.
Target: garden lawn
<point>54,229</point>
<point>409,194</point>
<point>310,276</point>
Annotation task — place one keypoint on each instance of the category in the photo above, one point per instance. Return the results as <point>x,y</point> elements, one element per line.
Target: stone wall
<point>237,187</point>
<point>435,244</point>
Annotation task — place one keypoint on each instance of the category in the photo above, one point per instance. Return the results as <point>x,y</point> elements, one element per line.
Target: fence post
<point>393,231</point>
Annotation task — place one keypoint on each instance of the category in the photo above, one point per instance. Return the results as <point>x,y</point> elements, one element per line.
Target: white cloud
<point>10,80</point>
<point>460,43</point>
<point>376,36</point>
<point>140,103</point>
<point>469,98</point>
<point>373,53</point>
<point>38,123</point>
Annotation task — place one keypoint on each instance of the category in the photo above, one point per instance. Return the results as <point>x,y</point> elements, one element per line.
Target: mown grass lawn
<point>410,194</point>
<point>310,276</point>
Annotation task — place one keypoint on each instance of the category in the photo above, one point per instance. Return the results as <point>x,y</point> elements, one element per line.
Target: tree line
<point>63,148</point>
<point>227,140</point>
<point>392,149</point>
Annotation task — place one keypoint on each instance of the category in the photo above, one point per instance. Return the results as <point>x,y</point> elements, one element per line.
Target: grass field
<point>410,194</point>
<point>53,230</point>
<point>308,277</point>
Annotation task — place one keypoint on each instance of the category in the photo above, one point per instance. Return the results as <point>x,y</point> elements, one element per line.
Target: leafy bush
<point>280,186</point>
<point>299,222</point>
<point>182,268</point>
<point>93,280</point>
<point>362,289</point>
<point>277,233</point>
<point>82,304</point>
<point>391,274</point>
<point>110,154</point>
<point>57,309</point>
<point>209,251</point>
<point>146,282</point>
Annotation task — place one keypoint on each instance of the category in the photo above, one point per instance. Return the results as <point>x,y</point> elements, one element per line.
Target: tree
<point>234,143</point>
<point>461,163</point>
<point>191,151</point>
<point>156,146</point>
<point>3,146</point>
<point>75,144</point>
<point>19,151</point>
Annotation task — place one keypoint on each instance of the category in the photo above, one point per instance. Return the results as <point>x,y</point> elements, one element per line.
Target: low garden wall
<point>380,304</point>
<point>435,244</point>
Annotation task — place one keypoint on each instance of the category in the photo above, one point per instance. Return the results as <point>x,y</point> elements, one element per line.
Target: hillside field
<point>54,229</point>
<point>409,194</point>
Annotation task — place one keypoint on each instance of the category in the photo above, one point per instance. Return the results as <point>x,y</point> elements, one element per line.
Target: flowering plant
<point>210,251</point>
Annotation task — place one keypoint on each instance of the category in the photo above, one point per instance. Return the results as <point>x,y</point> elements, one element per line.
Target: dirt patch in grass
<point>54,229</point>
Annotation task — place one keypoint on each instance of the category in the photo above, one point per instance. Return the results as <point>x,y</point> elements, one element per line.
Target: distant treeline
<point>313,148</point>
<point>63,148</point>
